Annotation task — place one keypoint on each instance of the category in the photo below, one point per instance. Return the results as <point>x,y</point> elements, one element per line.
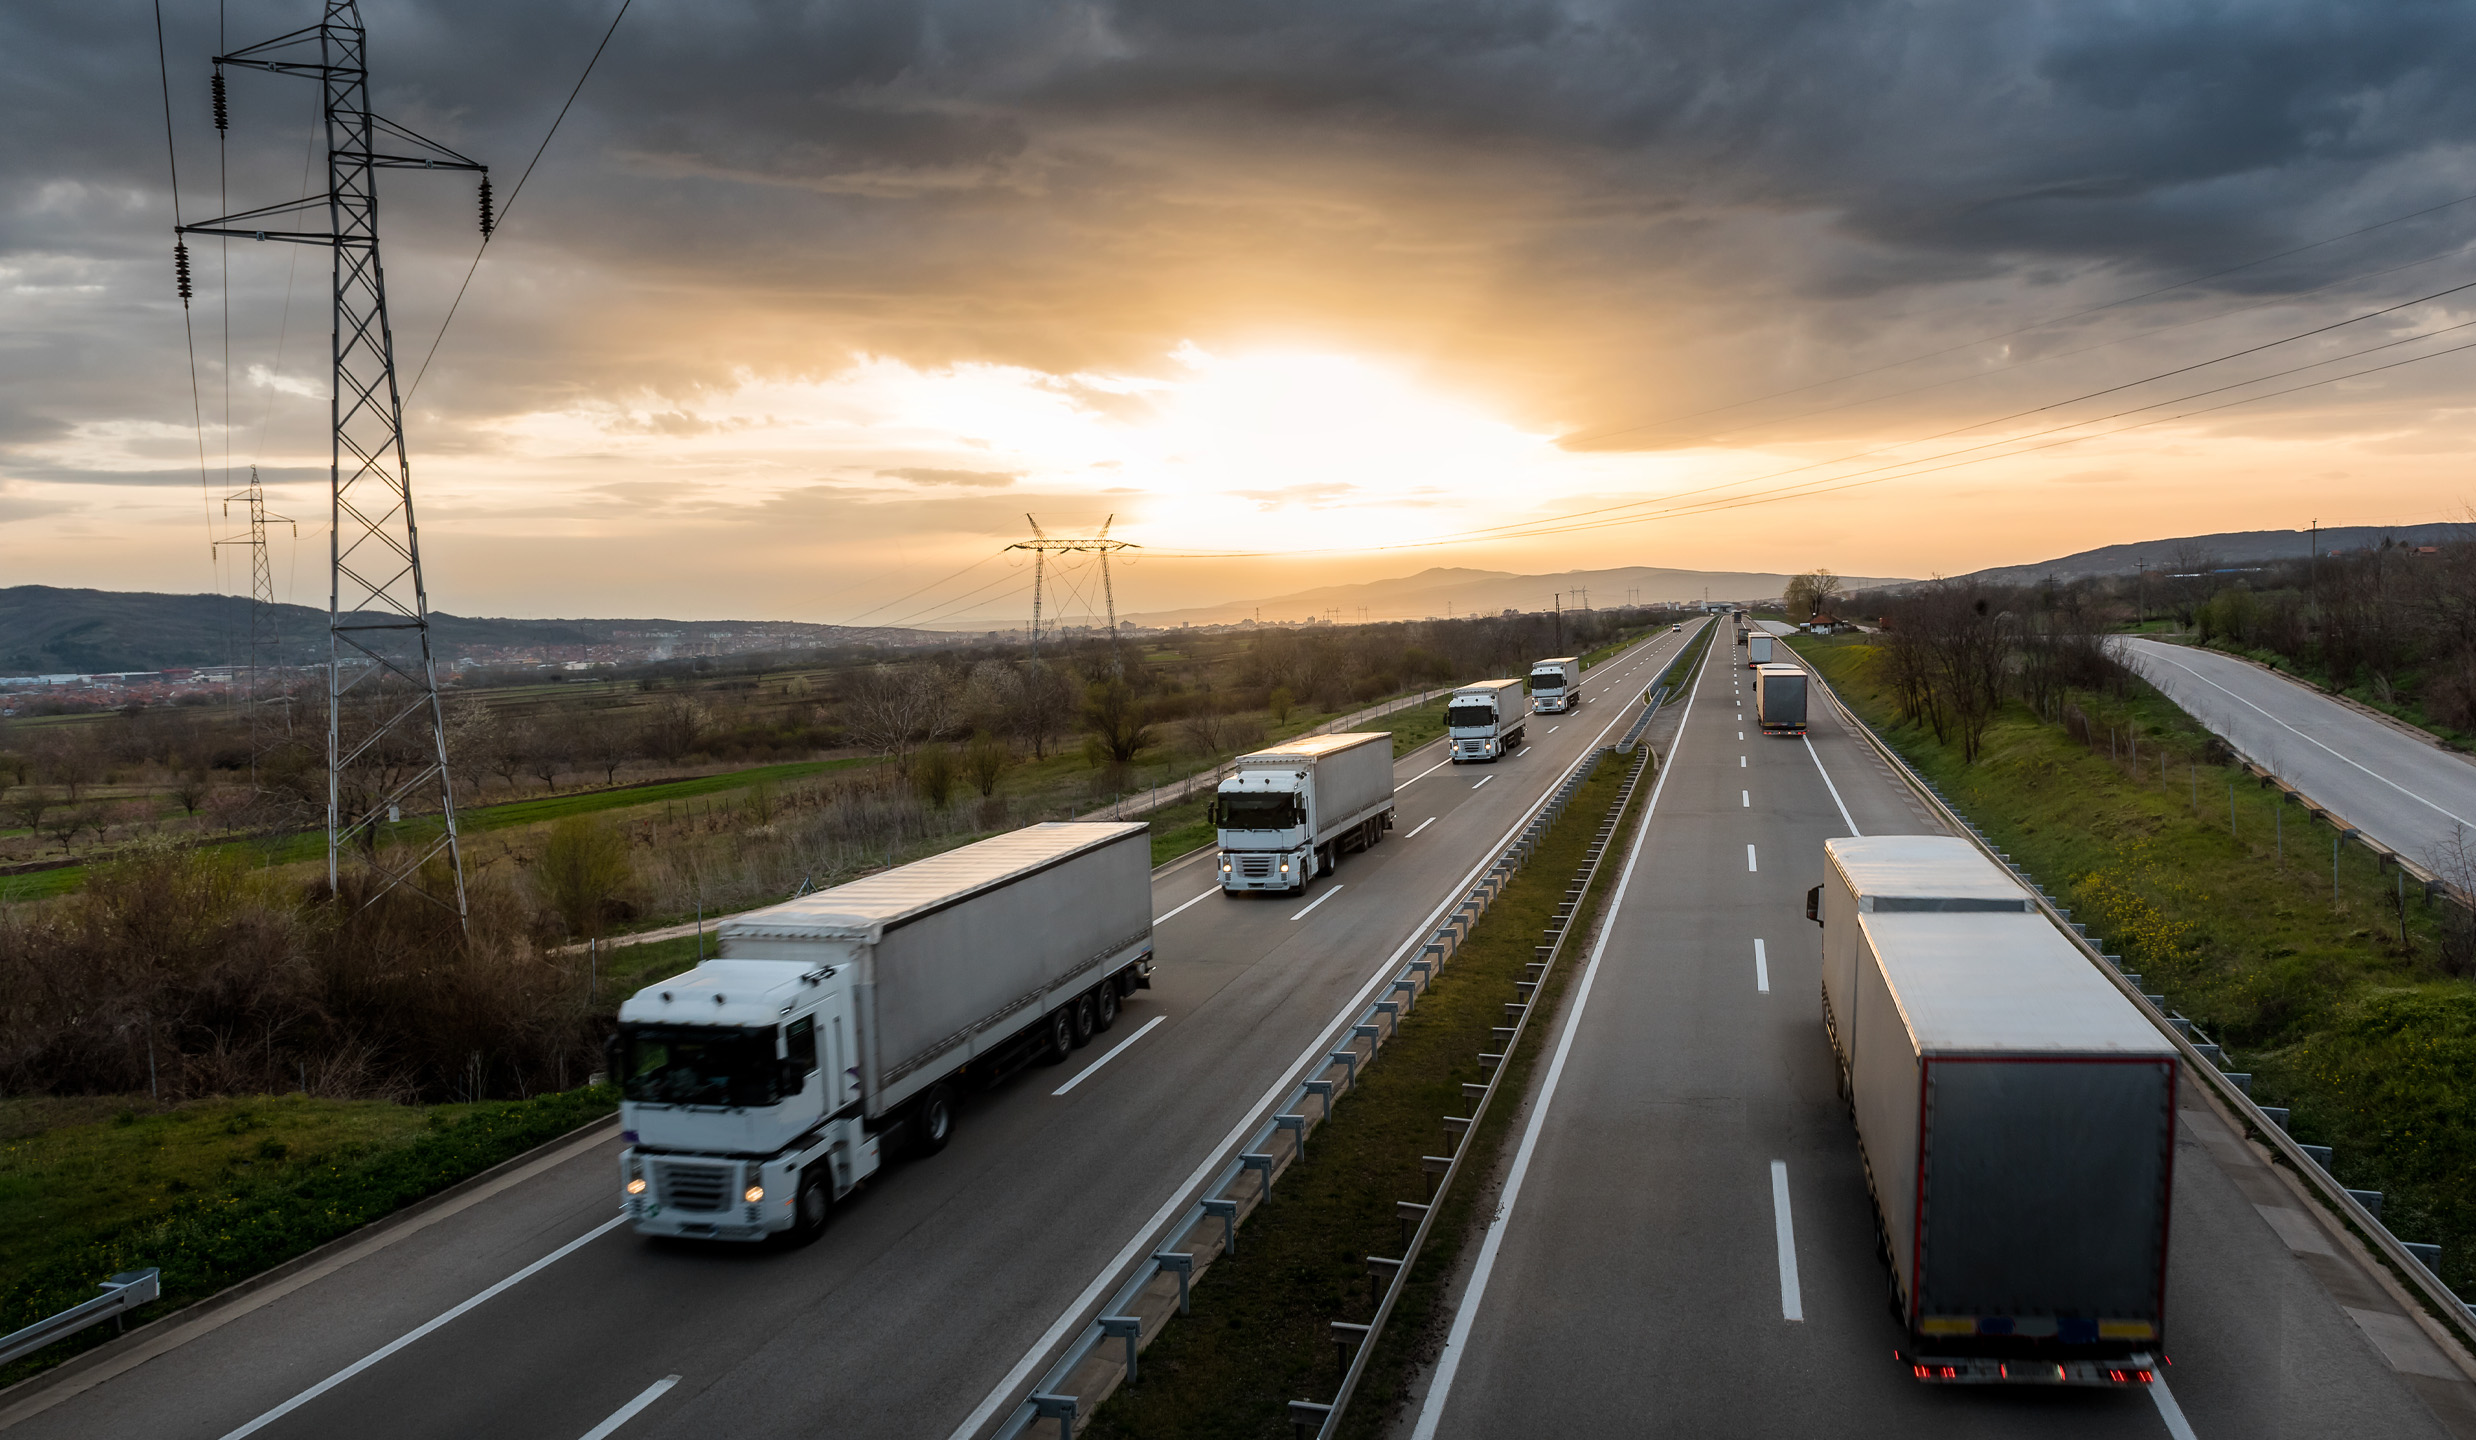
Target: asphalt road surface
<point>2407,793</point>
<point>931,1285</point>
<point>1685,1246</point>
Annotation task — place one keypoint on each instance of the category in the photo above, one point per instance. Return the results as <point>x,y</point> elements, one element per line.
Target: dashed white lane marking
<point>1120,1048</point>
<point>632,1409</point>
<point>1749,859</point>
<point>1762,968</point>
<point>1482,782</point>
<point>1740,762</point>
<point>1423,774</point>
<point>1746,796</point>
<point>1792,1305</point>
<point>1423,824</point>
<point>1318,900</point>
<point>1189,905</point>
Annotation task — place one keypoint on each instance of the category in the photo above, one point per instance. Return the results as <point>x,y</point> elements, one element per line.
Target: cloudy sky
<point>807,305</point>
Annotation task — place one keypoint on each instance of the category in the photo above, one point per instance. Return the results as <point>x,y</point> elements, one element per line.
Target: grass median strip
<point>1260,1335</point>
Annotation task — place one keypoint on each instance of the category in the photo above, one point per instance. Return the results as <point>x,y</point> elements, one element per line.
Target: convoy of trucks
<point>1555,685</point>
<point>1779,699</point>
<point>1287,813</point>
<point>2015,1117</point>
<point>760,1087</point>
<point>1483,721</point>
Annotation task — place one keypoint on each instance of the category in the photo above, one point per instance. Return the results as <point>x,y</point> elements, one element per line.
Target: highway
<point>532,1314</point>
<point>2408,793</point>
<point>1683,1245</point>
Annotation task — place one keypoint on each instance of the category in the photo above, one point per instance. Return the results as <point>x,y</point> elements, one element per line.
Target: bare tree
<point>1043,706</point>
<point>893,709</point>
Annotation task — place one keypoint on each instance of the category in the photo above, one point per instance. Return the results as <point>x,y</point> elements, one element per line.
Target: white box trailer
<point>758,1087</point>
<point>1290,811</point>
<point>1779,699</point>
<point>1556,685</point>
<point>1896,874</point>
<point>1757,648</point>
<point>2016,1117</point>
<point>1483,721</point>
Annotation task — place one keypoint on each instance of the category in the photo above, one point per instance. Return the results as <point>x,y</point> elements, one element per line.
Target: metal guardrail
<point>1278,1142</point>
<point>2453,1313</point>
<point>121,1294</point>
<point>1327,1417</point>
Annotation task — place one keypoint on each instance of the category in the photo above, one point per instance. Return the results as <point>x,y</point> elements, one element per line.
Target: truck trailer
<point>763,1085</point>
<point>1555,685</point>
<point>1758,648</point>
<point>1779,699</point>
<point>1483,721</point>
<point>1289,812</point>
<point>1890,874</point>
<point>2016,1118</point>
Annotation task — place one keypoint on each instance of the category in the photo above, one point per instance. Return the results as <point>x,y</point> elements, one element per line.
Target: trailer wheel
<point>1061,1041</point>
<point>1104,999</point>
<point>1086,1022</point>
<point>932,1125</point>
<point>813,1205</point>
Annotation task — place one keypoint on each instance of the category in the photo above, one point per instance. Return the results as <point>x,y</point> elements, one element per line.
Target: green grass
<point>215,1191</point>
<point>2367,1040</point>
<point>1258,1337</point>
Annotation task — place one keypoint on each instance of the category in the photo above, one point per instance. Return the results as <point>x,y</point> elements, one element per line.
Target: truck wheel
<point>1086,1023</point>
<point>932,1125</point>
<point>1061,1040</point>
<point>1105,1006</point>
<point>814,1203</point>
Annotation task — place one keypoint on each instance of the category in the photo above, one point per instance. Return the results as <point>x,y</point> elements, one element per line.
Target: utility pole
<point>386,732</point>
<point>1042,547</point>
<point>262,638</point>
<point>1560,619</point>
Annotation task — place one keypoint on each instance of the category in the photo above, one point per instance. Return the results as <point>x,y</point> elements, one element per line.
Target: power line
<point>488,229</point>
<point>180,270</point>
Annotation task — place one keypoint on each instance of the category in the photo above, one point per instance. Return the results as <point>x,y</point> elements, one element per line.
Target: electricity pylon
<point>262,636</point>
<point>386,732</point>
<point>1042,547</point>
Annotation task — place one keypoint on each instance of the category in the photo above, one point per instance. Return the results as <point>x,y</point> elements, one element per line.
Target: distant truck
<point>1779,699</point>
<point>760,1087</point>
<point>1555,685</point>
<point>1483,721</point>
<point>1289,812</point>
<point>1758,648</point>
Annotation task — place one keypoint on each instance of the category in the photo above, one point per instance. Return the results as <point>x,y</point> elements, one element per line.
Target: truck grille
<point>1255,867</point>
<point>696,1187</point>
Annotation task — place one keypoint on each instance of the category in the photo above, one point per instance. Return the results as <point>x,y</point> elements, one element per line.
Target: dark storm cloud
<point>1581,197</point>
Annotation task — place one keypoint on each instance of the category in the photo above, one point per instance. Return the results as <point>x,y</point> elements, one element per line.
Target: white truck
<point>1757,648</point>
<point>760,1087</point>
<point>1895,874</point>
<point>1483,721</point>
<point>1779,699</point>
<point>1555,685</point>
<point>1290,811</point>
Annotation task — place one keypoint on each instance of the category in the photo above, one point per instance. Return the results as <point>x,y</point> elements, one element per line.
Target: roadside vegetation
<point>1259,1336</point>
<point>2349,997</point>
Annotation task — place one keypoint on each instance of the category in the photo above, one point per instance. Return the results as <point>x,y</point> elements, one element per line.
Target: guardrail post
<point>1455,1127</point>
<point>1307,1415</point>
<point>1433,1168</point>
<point>1258,1160</point>
<point>1347,1058</point>
<point>1322,1090</point>
<point>1228,1211</point>
<point>1180,1264</point>
<point>1410,1213</point>
<point>1297,1126</point>
<point>1128,1328</point>
<point>1346,1336</point>
<point>1060,1408</point>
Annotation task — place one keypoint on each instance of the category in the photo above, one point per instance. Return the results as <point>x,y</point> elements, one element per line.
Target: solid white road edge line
<point>1762,968</point>
<point>407,1338</point>
<point>1189,905</point>
<point>632,1409</point>
<point>2168,1410</point>
<point>1318,900</point>
<point>1073,1315</point>
<point>1482,782</point>
<point>1792,1304</point>
<point>1114,1052</point>
<point>1457,1342</point>
<point>1834,789</point>
<point>1423,824</point>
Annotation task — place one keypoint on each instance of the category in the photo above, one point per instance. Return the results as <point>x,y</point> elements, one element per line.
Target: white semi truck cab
<point>1556,685</point>
<point>1484,721</point>
<point>1290,811</point>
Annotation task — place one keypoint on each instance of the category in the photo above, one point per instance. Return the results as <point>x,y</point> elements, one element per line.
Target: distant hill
<point>2228,548</point>
<point>1448,591</point>
<point>45,630</point>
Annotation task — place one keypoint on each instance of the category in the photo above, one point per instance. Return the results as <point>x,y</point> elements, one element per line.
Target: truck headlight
<point>755,1193</point>
<point>1285,864</point>
<point>637,1186</point>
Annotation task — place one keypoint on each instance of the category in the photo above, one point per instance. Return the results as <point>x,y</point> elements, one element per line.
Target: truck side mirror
<point>1212,813</point>
<point>614,1057</point>
<point>1814,904</point>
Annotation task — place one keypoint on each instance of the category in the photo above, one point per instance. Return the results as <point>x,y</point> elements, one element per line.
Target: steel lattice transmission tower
<point>263,640</point>
<point>386,732</point>
<point>1042,547</point>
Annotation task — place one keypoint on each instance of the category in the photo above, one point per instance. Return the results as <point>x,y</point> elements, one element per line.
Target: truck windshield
<point>1547,680</point>
<point>1478,715</point>
<point>699,1064</point>
<point>1260,810</point>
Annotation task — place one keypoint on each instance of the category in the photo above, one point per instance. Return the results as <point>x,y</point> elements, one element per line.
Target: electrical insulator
<point>180,271</point>
<point>223,112</point>
<point>488,223</point>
